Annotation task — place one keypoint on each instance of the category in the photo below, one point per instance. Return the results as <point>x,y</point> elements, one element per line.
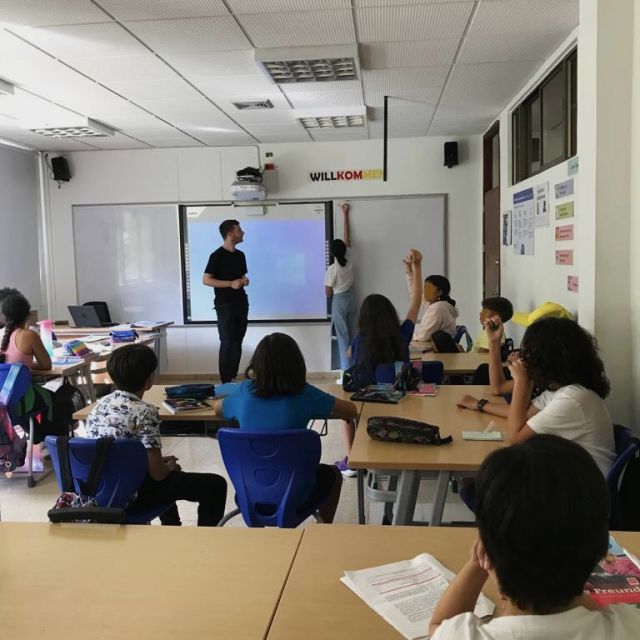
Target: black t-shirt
<point>227,265</point>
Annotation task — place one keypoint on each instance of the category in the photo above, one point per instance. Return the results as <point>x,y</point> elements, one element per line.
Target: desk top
<point>440,410</point>
<point>156,395</point>
<point>142,582</point>
<point>64,369</point>
<point>67,330</point>
<point>458,363</point>
<point>316,605</point>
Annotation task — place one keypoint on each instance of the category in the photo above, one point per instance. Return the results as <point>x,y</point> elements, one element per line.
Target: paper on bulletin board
<point>507,228</point>
<point>564,257</point>
<point>542,205</point>
<point>572,284</point>
<point>564,232</point>
<point>573,166</point>
<point>564,189</point>
<point>523,223</point>
<point>564,210</point>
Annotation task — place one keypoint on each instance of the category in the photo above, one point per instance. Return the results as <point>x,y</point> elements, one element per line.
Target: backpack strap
<point>103,445</point>
<point>66,479</point>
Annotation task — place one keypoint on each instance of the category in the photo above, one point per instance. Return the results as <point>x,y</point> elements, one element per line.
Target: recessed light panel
<point>316,70</point>
<point>89,129</point>
<point>332,122</point>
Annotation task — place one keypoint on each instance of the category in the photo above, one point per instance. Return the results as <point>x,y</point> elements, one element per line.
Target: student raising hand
<point>494,329</point>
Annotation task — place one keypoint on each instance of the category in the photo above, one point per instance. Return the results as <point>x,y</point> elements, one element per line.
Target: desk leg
<point>360,480</point>
<point>91,391</point>
<point>162,351</point>
<point>407,496</point>
<point>442,486</point>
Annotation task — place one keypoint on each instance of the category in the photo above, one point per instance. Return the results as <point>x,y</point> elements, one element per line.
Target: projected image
<point>286,262</point>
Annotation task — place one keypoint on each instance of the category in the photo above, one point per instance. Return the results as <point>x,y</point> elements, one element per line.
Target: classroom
<point>457,156</point>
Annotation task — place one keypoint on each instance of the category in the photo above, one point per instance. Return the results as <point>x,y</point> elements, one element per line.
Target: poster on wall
<point>564,256</point>
<point>523,222</point>
<point>564,210</point>
<point>564,189</point>
<point>572,284</point>
<point>564,232</point>
<point>573,166</point>
<point>507,230</point>
<point>542,205</point>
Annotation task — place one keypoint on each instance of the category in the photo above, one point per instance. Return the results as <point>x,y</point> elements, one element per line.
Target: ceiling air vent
<point>253,104</point>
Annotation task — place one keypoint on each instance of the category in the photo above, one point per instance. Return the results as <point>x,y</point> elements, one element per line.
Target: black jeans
<point>207,489</point>
<point>232,325</point>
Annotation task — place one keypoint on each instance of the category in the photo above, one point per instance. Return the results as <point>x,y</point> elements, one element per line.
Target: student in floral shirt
<point>123,414</point>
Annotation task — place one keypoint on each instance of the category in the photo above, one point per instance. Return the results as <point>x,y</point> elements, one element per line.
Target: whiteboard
<point>129,256</point>
<point>382,232</point>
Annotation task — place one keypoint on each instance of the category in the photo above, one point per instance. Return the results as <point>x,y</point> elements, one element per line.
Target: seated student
<point>560,358</point>
<point>123,414</point>
<point>542,527</point>
<point>494,306</point>
<point>439,309</point>
<point>277,396</point>
<point>382,338</point>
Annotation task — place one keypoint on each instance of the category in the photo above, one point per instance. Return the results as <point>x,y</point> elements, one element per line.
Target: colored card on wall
<point>572,283</point>
<point>564,210</point>
<point>564,232</point>
<point>542,205</point>
<point>564,256</point>
<point>564,189</point>
<point>506,228</point>
<point>573,166</point>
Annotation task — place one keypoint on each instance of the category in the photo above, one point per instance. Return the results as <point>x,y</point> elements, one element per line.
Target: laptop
<point>87,317</point>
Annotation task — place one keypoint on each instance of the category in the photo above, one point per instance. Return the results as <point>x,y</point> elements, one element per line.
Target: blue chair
<point>15,381</point>
<point>124,470</point>
<point>627,447</point>
<point>433,372</point>
<point>462,332</point>
<point>272,473</point>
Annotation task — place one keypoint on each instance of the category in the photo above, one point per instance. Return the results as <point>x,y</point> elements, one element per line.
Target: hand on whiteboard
<point>237,284</point>
<point>345,208</point>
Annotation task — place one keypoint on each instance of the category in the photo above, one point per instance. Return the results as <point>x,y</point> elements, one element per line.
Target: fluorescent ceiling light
<point>6,88</point>
<point>332,122</point>
<point>85,128</point>
<point>309,64</point>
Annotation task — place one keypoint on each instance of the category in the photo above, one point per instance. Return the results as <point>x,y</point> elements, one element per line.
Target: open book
<point>616,578</point>
<point>406,593</point>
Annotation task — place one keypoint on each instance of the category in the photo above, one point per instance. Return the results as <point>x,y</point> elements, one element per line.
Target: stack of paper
<point>406,593</point>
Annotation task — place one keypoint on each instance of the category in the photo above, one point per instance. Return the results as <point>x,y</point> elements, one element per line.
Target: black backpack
<point>628,499</point>
<point>67,399</point>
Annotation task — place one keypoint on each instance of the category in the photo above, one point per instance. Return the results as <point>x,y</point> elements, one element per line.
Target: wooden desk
<point>65,331</point>
<point>460,455</point>
<point>458,363</point>
<point>68,370</point>
<point>141,582</point>
<point>316,605</point>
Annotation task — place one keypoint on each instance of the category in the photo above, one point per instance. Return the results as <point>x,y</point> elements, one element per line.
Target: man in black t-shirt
<point>226,272</point>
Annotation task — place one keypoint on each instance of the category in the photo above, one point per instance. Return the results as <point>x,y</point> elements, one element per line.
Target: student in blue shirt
<point>382,338</point>
<point>276,396</point>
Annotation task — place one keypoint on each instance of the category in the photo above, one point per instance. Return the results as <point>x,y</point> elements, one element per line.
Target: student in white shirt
<point>338,284</point>
<point>543,525</point>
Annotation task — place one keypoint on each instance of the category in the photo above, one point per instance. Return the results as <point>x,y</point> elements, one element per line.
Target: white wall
<point>204,175</point>
<point>19,206</point>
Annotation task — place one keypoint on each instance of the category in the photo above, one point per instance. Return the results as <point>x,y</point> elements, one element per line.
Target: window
<point>544,123</point>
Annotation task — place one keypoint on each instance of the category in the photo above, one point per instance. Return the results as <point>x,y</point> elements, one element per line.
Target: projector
<point>242,190</point>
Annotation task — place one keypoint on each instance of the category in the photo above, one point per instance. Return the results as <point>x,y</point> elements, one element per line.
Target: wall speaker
<point>60,168</point>
<point>450,154</point>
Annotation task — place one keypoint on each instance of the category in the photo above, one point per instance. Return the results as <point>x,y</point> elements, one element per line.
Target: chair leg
<point>31,481</point>
<point>319,520</point>
<point>227,517</point>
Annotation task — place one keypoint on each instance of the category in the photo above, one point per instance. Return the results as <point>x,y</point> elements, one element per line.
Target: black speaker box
<point>450,154</point>
<point>60,168</point>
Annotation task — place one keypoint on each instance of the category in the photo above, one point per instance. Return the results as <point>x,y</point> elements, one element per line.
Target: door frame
<point>487,185</point>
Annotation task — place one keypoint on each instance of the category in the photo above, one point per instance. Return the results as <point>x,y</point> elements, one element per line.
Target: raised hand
<point>494,328</point>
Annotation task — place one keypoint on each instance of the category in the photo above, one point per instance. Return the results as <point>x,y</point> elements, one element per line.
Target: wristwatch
<point>481,404</point>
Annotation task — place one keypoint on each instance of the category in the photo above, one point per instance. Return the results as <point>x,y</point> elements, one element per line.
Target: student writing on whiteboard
<point>339,286</point>
<point>226,272</point>
<point>439,311</point>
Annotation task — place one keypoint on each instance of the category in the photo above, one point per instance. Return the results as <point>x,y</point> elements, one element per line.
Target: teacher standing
<point>226,272</point>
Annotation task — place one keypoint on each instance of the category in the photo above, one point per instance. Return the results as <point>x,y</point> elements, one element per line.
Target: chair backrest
<point>433,372</point>
<point>124,470</point>
<point>626,449</point>
<point>272,472</point>
<point>388,372</point>
<point>20,385</point>
<point>623,437</point>
<point>462,332</point>
<point>102,309</point>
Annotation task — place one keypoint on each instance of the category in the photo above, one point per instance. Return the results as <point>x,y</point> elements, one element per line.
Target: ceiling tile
<point>158,130</point>
<point>223,139</point>
<point>119,141</point>
<point>294,128</point>
<point>524,16</point>
<point>355,133</point>
<point>300,29</point>
<point>392,3</point>
<point>386,55</point>
<point>213,63</point>
<point>163,9</point>
<point>173,87</point>
<point>460,127</point>
<point>511,47</point>
<point>307,100</point>
<point>42,13</point>
<point>123,68</point>
<point>423,84</point>
<point>419,113</point>
<point>413,22</point>
<point>184,109</point>
<point>190,35</point>
<point>231,86</point>
<point>265,139</point>
<point>83,40</point>
<point>272,6</point>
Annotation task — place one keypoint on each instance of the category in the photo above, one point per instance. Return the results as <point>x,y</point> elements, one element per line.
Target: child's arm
<point>36,347</point>
<point>159,467</point>
<point>416,285</point>
<point>347,234</point>
<point>500,409</point>
<point>217,407</point>
<point>344,410</point>
<point>328,291</point>
<point>499,384</point>
<point>520,409</point>
<point>462,594</point>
